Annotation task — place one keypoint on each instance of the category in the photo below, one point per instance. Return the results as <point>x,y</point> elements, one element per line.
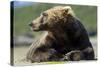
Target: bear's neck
<point>58,34</point>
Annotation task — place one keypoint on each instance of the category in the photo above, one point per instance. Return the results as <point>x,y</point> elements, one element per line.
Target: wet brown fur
<point>65,37</point>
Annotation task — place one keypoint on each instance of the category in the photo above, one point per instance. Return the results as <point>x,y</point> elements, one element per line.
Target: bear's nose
<point>31,24</point>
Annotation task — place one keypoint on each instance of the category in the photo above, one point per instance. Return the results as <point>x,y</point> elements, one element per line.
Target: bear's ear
<point>68,10</point>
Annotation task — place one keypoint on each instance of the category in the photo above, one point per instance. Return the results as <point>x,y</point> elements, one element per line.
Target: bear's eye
<point>44,14</point>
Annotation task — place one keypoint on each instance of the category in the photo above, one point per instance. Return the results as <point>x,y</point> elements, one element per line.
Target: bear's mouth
<point>34,29</point>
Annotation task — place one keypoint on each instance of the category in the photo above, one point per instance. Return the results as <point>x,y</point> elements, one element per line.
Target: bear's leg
<point>88,53</point>
<point>76,55</point>
<point>43,56</point>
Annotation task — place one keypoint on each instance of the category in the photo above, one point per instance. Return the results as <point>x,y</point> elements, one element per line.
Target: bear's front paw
<point>73,56</point>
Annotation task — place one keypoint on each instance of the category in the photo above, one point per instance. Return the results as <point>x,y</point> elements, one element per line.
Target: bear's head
<point>52,18</point>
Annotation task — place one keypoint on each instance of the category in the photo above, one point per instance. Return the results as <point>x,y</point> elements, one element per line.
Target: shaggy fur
<point>65,37</point>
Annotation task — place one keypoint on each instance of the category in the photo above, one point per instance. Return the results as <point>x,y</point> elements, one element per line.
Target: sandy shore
<point>20,52</point>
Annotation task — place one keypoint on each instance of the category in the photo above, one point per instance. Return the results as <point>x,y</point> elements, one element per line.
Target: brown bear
<point>64,37</point>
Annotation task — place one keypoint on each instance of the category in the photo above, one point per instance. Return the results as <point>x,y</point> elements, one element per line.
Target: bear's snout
<point>31,24</point>
<point>34,26</point>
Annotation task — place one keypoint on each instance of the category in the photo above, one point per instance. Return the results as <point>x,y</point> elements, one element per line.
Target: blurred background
<point>25,12</point>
